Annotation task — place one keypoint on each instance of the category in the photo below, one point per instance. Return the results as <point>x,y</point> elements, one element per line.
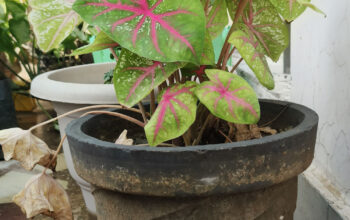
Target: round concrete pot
<point>255,179</point>
<point>73,88</point>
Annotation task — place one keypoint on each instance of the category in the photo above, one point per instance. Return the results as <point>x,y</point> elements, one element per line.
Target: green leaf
<point>17,10</point>
<point>135,77</point>
<point>20,29</point>
<point>264,23</point>
<point>249,48</point>
<point>101,42</point>
<point>229,97</point>
<point>289,9</point>
<point>52,21</point>
<point>6,44</point>
<point>175,113</point>
<point>217,17</point>
<point>313,7</point>
<point>208,55</point>
<point>162,30</point>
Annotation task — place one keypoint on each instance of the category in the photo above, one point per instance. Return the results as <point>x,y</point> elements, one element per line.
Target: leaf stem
<point>114,54</point>
<point>153,102</point>
<point>241,6</point>
<point>120,115</point>
<point>227,138</point>
<point>13,72</point>
<point>79,110</point>
<point>199,137</point>
<point>56,154</point>
<point>143,111</point>
<point>236,65</point>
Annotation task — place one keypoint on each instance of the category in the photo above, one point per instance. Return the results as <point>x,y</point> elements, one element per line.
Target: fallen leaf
<point>43,195</point>
<point>122,139</point>
<point>268,130</point>
<point>23,146</point>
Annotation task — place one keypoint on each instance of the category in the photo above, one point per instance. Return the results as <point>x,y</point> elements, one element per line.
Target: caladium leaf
<point>162,30</point>
<point>101,42</point>
<point>135,77</point>
<point>175,113</point>
<point>208,55</point>
<point>229,97</point>
<point>262,20</point>
<point>52,21</point>
<point>289,9</point>
<point>248,47</point>
<point>216,16</point>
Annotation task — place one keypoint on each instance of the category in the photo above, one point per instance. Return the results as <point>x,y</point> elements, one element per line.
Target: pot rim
<point>308,122</point>
<point>45,87</point>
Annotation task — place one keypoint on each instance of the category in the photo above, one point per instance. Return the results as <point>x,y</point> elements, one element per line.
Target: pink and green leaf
<point>216,17</point>
<point>101,42</point>
<point>52,21</point>
<point>264,23</point>
<point>175,113</point>
<point>248,48</point>
<point>289,9</point>
<point>229,97</point>
<point>208,55</point>
<point>135,77</point>
<point>162,30</point>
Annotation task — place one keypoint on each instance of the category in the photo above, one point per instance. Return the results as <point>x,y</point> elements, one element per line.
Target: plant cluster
<point>166,49</point>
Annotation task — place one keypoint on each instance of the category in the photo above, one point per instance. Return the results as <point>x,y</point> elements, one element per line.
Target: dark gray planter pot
<point>242,180</point>
<point>7,110</point>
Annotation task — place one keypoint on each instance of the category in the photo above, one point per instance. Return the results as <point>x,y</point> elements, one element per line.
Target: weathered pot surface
<point>197,170</point>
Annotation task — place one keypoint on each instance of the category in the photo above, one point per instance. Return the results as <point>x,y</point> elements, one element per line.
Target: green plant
<point>166,47</point>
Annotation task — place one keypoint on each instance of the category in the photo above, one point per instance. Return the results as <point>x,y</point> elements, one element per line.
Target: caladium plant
<point>167,51</point>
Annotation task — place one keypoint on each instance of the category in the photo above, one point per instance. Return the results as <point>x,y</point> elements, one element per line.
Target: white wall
<point>320,68</point>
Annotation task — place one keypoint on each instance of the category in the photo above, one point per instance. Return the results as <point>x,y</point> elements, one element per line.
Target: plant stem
<point>236,65</point>
<point>143,111</point>
<point>206,7</point>
<point>227,138</point>
<point>114,54</point>
<point>241,6</point>
<point>79,110</point>
<point>120,115</point>
<point>199,137</point>
<point>55,155</point>
<point>14,72</point>
<point>153,102</point>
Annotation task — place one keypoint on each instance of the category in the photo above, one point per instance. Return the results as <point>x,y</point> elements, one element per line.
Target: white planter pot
<point>73,88</point>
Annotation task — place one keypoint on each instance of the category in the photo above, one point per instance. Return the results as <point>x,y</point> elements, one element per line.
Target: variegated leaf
<point>52,21</point>
<point>135,77</point>
<point>289,9</point>
<point>162,30</point>
<point>262,20</point>
<point>229,97</point>
<point>208,56</point>
<point>175,113</point>
<point>101,42</point>
<point>248,47</point>
<point>216,16</point>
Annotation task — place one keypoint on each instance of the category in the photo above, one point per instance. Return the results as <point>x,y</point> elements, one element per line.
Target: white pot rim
<point>77,85</point>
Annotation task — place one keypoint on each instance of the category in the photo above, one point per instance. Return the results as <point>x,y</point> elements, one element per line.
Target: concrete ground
<point>13,177</point>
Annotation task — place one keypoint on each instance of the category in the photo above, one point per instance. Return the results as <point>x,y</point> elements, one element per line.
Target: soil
<point>218,134</point>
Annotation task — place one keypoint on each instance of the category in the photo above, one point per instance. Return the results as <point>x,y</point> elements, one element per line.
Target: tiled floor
<point>13,177</point>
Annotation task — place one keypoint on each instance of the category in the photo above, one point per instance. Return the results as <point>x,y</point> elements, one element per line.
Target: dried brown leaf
<point>43,195</point>
<point>268,130</point>
<point>122,139</point>
<point>23,146</point>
